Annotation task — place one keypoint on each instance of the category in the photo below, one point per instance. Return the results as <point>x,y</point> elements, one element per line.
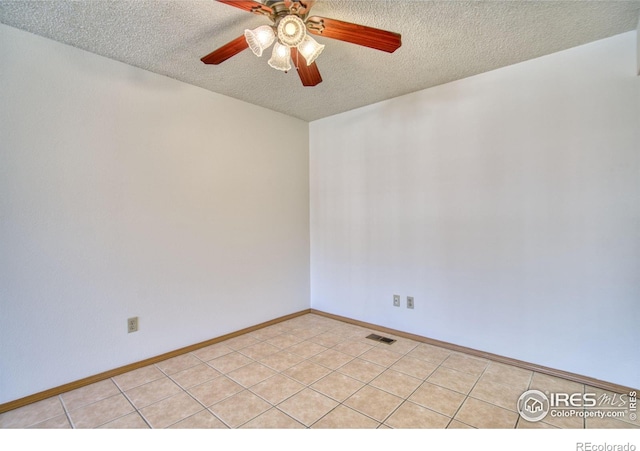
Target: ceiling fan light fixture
<point>259,39</point>
<point>291,30</point>
<point>310,49</point>
<point>280,57</point>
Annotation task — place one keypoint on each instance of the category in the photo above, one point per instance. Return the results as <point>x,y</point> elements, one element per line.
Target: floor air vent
<point>381,339</point>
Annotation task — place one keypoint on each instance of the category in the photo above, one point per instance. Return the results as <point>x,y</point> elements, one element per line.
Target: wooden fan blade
<point>374,38</point>
<point>309,75</point>
<point>249,6</point>
<point>226,51</point>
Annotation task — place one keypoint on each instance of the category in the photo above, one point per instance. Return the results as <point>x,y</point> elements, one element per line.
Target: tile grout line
<point>309,386</point>
<point>341,403</point>
<point>406,398</point>
<point>294,419</point>
<point>527,388</point>
<point>366,384</point>
<point>306,386</point>
<point>186,391</point>
<point>248,389</point>
<point>423,382</point>
<point>468,395</point>
<point>135,409</point>
<point>430,374</point>
<point>168,376</point>
<point>281,373</point>
<point>66,412</point>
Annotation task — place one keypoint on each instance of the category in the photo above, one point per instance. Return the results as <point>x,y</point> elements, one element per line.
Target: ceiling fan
<point>289,32</point>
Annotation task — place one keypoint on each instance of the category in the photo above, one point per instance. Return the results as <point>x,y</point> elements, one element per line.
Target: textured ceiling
<point>442,41</point>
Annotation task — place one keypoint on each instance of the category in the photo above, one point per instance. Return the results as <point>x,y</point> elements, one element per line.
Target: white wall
<point>125,193</point>
<point>507,204</point>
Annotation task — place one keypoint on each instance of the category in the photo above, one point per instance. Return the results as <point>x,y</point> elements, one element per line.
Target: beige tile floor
<point>308,372</point>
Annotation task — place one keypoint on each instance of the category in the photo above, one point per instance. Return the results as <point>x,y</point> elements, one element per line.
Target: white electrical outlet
<point>132,324</point>
<point>396,300</point>
<point>409,301</point>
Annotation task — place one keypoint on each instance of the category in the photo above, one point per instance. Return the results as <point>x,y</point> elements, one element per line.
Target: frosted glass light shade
<point>281,57</point>
<point>291,30</point>
<point>260,38</point>
<point>310,49</point>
